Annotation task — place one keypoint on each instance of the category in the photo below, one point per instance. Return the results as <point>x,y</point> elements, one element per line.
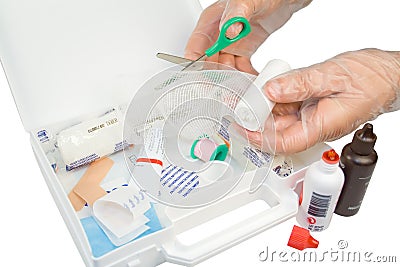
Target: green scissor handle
<point>223,41</point>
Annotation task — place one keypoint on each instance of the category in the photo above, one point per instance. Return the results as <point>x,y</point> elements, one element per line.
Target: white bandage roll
<point>254,107</point>
<point>92,139</point>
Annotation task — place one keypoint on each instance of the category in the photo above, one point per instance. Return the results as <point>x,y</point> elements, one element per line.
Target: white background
<point>34,234</point>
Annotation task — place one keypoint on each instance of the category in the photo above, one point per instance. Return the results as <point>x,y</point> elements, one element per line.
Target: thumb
<point>316,81</point>
<point>206,31</point>
<point>236,8</point>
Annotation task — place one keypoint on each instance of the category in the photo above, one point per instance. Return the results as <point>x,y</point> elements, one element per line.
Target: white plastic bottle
<point>322,185</point>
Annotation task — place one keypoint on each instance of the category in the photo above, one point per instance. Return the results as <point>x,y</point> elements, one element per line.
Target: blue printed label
<point>43,136</point>
<point>83,161</point>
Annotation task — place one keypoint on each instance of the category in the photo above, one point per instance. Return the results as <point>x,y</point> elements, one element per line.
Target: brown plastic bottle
<point>358,160</point>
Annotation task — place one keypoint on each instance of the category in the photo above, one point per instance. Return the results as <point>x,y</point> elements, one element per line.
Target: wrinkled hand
<point>265,17</point>
<point>329,100</point>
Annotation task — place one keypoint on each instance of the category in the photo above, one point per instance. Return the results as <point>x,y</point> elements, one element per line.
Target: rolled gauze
<point>254,107</point>
<point>92,139</point>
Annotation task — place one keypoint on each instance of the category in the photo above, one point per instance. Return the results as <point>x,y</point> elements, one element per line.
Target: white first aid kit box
<point>67,59</point>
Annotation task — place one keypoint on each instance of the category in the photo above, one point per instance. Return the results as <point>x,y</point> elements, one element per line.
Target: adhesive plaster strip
<point>77,202</point>
<point>88,187</point>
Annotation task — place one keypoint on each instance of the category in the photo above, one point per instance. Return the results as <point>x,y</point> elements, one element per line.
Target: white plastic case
<point>67,59</point>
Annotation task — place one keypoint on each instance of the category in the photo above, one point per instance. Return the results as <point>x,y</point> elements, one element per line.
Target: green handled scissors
<point>223,41</point>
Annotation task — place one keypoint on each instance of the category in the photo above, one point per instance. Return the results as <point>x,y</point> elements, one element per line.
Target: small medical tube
<point>152,152</point>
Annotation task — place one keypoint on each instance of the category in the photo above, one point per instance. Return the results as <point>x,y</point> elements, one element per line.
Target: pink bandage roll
<point>207,150</point>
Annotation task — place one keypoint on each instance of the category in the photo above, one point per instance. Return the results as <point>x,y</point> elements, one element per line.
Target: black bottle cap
<point>364,140</point>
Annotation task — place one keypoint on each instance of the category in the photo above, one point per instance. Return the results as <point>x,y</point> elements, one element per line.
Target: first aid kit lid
<point>67,58</point>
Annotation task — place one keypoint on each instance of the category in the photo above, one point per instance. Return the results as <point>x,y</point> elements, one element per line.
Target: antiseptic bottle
<point>358,160</point>
<point>322,184</point>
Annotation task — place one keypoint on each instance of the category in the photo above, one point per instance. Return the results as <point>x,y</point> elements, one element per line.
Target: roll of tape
<point>208,150</point>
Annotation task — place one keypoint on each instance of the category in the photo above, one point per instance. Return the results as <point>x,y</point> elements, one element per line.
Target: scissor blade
<point>173,59</point>
<point>195,65</point>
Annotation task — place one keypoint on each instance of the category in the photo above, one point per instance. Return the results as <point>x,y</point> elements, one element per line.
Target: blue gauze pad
<point>99,242</point>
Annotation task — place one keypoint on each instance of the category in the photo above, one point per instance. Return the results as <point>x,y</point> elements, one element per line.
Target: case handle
<point>190,255</point>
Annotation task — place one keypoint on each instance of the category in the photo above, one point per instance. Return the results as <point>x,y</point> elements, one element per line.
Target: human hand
<point>265,17</point>
<point>329,100</point>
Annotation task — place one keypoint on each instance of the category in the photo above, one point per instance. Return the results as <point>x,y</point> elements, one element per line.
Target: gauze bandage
<point>254,107</point>
<point>92,139</point>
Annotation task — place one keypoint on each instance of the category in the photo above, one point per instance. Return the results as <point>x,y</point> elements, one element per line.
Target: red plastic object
<point>155,161</point>
<point>331,157</point>
<point>300,239</point>
<point>301,197</point>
